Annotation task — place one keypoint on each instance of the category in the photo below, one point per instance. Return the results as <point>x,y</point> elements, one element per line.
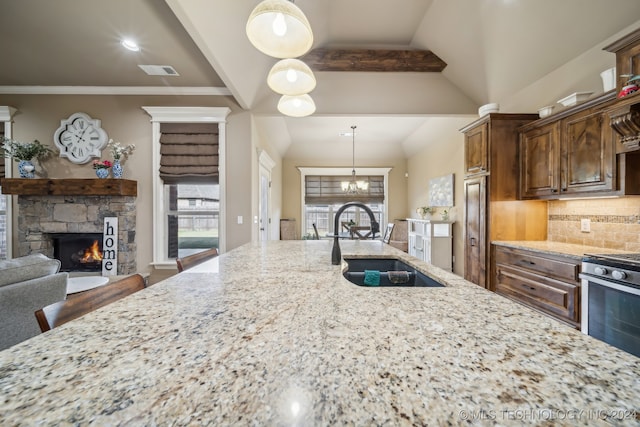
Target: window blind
<point>189,152</point>
<point>327,189</point>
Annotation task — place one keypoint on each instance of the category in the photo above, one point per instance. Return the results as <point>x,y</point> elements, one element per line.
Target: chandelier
<point>354,186</point>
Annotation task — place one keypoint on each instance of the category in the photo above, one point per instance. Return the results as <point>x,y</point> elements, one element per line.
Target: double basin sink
<point>386,272</point>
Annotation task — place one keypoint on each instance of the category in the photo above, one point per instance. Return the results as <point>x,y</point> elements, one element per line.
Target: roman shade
<point>327,189</point>
<point>189,153</point>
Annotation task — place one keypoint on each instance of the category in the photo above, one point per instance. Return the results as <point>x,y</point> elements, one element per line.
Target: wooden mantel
<point>69,187</point>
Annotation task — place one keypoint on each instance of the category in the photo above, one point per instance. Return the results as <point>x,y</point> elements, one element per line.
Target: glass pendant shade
<point>291,77</point>
<point>280,29</point>
<point>296,106</point>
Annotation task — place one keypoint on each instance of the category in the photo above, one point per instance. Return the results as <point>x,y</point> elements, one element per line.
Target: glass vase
<point>116,169</point>
<point>102,173</point>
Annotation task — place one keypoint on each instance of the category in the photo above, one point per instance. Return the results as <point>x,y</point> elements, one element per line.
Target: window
<point>193,218</point>
<point>323,196</point>
<point>189,193</point>
<point>6,114</point>
<point>324,218</point>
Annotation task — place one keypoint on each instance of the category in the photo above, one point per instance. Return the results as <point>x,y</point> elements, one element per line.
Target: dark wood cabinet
<point>571,156</point>
<point>577,153</point>
<point>539,161</point>
<point>475,208</point>
<point>475,150</point>
<point>491,208</point>
<point>547,283</point>
<point>588,156</point>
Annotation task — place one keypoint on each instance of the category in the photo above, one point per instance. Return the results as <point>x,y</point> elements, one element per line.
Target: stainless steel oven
<point>611,300</point>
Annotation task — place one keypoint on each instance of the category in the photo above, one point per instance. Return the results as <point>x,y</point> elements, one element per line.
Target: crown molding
<point>6,113</point>
<point>188,114</point>
<point>114,90</point>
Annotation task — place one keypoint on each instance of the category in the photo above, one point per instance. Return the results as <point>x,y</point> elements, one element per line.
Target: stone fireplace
<point>49,209</point>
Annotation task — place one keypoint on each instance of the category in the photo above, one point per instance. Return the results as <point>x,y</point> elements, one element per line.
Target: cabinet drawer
<point>551,296</point>
<point>560,269</point>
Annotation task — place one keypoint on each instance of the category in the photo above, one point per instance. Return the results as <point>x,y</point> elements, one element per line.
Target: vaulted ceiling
<point>492,48</point>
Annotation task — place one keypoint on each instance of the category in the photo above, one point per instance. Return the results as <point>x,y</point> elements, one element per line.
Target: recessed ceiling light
<point>131,45</point>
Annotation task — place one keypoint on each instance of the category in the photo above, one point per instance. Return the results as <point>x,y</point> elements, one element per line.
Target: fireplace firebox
<point>78,252</point>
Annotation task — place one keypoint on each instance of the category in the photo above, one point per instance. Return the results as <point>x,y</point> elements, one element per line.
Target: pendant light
<point>296,106</point>
<point>280,29</point>
<point>354,186</point>
<point>291,77</point>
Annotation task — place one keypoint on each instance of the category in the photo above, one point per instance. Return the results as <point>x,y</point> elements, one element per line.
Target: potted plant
<point>24,153</point>
<point>423,211</point>
<point>102,168</point>
<point>119,154</point>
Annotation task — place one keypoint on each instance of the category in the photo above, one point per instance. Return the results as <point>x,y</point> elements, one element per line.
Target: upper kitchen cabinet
<point>483,146</point>
<point>475,150</point>
<point>588,157</point>
<point>539,156</point>
<point>570,156</point>
<point>577,153</point>
<point>483,142</point>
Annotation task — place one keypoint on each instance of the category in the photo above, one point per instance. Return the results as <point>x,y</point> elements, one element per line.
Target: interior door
<point>264,220</point>
<point>475,259</point>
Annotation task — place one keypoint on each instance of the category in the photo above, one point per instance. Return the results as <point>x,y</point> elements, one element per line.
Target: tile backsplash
<point>615,222</point>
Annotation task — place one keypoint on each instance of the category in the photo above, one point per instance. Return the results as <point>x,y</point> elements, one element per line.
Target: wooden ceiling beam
<point>379,60</point>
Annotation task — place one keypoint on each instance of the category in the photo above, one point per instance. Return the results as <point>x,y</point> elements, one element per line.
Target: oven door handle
<point>630,289</point>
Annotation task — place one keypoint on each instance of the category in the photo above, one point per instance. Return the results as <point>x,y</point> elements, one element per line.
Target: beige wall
<point>292,190</point>
<point>124,120</point>
<point>442,155</point>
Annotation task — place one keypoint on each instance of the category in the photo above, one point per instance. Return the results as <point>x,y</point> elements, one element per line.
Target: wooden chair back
<point>190,260</point>
<point>316,235</point>
<point>65,311</point>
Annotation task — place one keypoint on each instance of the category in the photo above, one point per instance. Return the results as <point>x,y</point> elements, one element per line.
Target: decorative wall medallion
<point>79,138</point>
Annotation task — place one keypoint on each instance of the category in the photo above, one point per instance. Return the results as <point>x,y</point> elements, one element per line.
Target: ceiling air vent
<point>159,70</point>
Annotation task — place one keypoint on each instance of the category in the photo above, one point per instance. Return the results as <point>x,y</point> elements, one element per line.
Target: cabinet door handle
<point>531,288</point>
<point>554,190</point>
<point>472,241</point>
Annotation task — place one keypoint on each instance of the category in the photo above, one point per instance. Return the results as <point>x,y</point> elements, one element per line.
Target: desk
<point>84,283</point>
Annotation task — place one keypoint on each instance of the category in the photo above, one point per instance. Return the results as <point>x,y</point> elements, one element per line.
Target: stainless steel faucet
<point>336,254</point>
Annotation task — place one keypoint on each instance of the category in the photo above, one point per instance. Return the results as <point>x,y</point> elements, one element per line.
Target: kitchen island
<point>279,337</point>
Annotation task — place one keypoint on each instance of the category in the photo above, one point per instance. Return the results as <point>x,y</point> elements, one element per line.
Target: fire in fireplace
<point>80,252</point>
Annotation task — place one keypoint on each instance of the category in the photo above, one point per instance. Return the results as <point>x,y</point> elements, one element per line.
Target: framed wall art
<point>441,191</point>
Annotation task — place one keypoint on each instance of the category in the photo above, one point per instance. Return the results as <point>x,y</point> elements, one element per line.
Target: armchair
<point>27,284</point>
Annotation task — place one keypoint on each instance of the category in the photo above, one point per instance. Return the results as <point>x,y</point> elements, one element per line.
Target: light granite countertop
<point>557,248</point>
<point>278,337</point>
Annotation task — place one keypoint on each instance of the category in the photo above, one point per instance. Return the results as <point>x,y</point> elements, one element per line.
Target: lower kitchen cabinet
<point>547,283</point>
